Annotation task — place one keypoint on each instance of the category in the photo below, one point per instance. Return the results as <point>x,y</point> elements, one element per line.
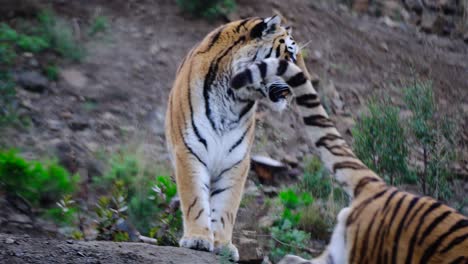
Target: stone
<point>78,124</point>
<point>414,5</point>
<point>249,249</point>
<point>19,219</point>
<point>9,241</point>
<point>32,81</point>
<point>360,6</point>
<point>54,125</point>
<point>74,78</point>
<point>436,23</point>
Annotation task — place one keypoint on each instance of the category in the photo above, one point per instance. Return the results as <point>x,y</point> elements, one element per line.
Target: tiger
<point>382,224</point>
<point>209,126</point>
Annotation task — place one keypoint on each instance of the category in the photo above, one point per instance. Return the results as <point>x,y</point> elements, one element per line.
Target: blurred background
<point>83,92</point>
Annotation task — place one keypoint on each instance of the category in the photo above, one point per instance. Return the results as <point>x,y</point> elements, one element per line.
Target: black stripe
<point>431,250</point>
<point>278,51</point>
<point>341,151</point>
<point>226,170</point>
<point>390,197</point>
<point>297,80</point>
<point>257,30</point>
<point>187,146</point>
<point>365,239</point>
<point>396,241</point>
<point>395,211</point>
<point>192,205</point>
<point>262,67</point>
<point>410,220</point>
<point>454,242</point>
<point>352,165</point>
<point>458,260</point>
<point>211,76</point>
<point>269,53</point>
<point>222,221</point>
<point>362,183</point>
<point>241,79</point>
<point>358,209</point>
<point>199,214</point>
<point>308,100</point>
<point>246,109</point>
<point>213,40</point>
<point>433,225</point>
<point>355,241</point>
<point>318,121</point>
<point>242,23</point>
<point>328,137</point>
<point>218,191</point>
<point>409,257</point>
<point>240,139</point>
<point>195,129</point>
<point>282,67</point>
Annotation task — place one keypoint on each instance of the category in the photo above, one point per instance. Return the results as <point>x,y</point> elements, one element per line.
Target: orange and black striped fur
<point>382,224</point>
<point>210,126</point>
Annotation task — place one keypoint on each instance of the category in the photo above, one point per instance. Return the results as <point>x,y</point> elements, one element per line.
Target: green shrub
<point>39,183</point>
<point>288,240</point>
<point>207,8</point>
<point>32,43</point>
<point>379,141</point>
<point>60,36</point>
<point>435,135</point>
<point>148,196</point>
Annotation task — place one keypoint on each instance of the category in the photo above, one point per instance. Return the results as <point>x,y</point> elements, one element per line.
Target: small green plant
<point>435,135</point>
<point>207,8</point>
<point>99,24</point>
<point>7,99</point>
<point>111,210</point>
<point>288,240</point>
<point>379,141</point>
<point>60,37</point>
<point>52,72</point>
<point>65,212</point>
<point>39,183</point>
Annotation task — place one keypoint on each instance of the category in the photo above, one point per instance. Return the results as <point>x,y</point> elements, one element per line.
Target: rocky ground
<point>117,96</point>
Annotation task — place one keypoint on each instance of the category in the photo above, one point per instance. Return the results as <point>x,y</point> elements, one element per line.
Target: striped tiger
<point>382,224</point>
<point>210,126</point>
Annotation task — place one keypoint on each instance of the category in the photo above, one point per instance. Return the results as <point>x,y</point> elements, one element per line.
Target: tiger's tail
<point>334,152</point>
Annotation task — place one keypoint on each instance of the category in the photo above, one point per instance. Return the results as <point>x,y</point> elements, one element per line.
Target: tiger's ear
<point>271,24</point>
<point>265,27</point>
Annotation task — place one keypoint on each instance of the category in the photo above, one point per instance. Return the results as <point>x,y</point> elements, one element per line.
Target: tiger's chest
<point>219,134</point>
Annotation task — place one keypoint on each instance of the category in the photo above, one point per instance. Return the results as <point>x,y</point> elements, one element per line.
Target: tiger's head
<point>266,38</point>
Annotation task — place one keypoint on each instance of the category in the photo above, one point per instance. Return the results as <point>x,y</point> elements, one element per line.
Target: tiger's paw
<point>197,243</point>
<point>228,250</point>
<point>291,259</point>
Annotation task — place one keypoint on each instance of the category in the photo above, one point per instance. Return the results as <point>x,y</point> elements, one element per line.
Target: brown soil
<point>129,75</point>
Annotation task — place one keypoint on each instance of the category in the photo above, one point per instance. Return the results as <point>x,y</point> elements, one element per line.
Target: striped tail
<point>334,152</point>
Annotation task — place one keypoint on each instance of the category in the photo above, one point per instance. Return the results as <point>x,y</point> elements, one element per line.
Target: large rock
<point>32,81</point>
<point>42,250</point>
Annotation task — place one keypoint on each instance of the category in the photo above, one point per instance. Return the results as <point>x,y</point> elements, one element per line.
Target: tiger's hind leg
<point>192,186</point>
<point>225,196</point>
<point>336,252</point>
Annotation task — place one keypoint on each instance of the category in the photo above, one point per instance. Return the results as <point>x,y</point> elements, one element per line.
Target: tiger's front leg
<point>192,186</point>
<point>225,196</point>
